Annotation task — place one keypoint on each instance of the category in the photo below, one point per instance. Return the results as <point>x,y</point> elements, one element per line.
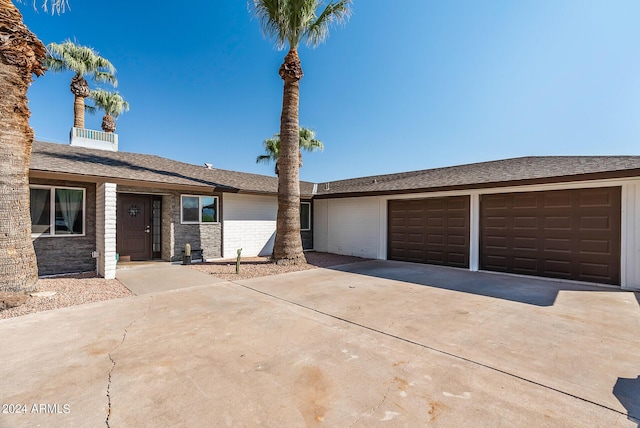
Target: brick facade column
<point>106,229</point>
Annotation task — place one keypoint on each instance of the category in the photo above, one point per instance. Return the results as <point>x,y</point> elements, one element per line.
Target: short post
<point>186,259</point>
<point>238,261</point>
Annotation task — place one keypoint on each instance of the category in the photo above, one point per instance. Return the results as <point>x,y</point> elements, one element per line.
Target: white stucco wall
<point>358,226</point>
<point>248,222</point>
<point>348,226</point>
<point>631,236</point>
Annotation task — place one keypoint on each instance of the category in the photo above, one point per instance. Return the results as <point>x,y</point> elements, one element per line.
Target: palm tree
<point>307,142</point>
<point>291,22</point>
<point>111,103</point>
<point>21,56</point>
<point>82,60</point>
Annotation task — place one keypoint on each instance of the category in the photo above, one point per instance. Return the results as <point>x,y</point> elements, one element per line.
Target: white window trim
<point>217,202</point>
<point>309,228</point>
<point>52,212</point>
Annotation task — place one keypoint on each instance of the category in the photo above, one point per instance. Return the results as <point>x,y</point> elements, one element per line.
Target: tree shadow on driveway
<point>529,290</point>
<point>627,391</point>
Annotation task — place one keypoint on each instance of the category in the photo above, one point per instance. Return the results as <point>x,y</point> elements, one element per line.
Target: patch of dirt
<point>253,267</point>
<point>70,290</point>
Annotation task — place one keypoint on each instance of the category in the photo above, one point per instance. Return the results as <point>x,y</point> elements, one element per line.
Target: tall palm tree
<point>111,103</point>
<point>22,55</point>
<point>291,22</point>
<point>83,61</point>
<point>307,142</point>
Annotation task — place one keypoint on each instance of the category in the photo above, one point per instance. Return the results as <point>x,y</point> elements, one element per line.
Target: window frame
<point>217,209</point>
<point>310,225</point>
<point>52,213</point>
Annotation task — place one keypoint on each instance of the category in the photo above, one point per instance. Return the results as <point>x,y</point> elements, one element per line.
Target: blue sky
<point>405,85</point>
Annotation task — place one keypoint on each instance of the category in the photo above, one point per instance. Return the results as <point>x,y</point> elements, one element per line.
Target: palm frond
<point>334,13</point>
<point>57,6</point>
<point>82,60</point>
<point>264,159</point>
<point>307,142</point>
<point>269,13</point>
<point>293,21</point>
<point>111,103</point>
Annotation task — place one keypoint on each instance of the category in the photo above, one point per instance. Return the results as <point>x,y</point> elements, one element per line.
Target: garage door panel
<point>457,240</point>
<point>435,239</point>
<point>595,246</point>
<point>497,202</point>
<point>416,238</point>
<point>497,242</point>
<point>522,243</point>
<point>496,222</point>
<point>601,222</point>
<point>596,271</point>
<point>557,199</point>
<point>438,228</point>
<point>558,267</point>
<point>595,199</point>
<point>571,234</point>
<point>436,222</point>
<point>525,265</point>
<point>557,244</point>
<point>523,201</point>
<point>528,222</point>
<point>457,205</point>
<point>558,223</point>
<point>457,222</point>
<point>496,262</point>
<point>435,257</point>
<point>457,260</point>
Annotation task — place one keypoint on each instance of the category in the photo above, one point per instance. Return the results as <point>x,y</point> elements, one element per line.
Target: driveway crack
<point>113,362</point>
<point>373,409</point>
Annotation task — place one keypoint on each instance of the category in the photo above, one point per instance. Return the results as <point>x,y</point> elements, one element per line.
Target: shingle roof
<point>485,174</point>
<point>62,158</point>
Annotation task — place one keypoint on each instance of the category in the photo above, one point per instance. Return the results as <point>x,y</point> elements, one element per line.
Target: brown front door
<point>134,226</point>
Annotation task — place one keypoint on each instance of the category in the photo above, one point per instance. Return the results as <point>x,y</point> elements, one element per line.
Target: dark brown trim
<point>512,183</point>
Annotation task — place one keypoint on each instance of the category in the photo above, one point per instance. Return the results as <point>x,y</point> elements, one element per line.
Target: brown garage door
<point>570,234</point>
<point>434,231</point>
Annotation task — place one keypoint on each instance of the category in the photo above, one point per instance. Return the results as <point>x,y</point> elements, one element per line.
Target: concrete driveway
<point>369,344</point>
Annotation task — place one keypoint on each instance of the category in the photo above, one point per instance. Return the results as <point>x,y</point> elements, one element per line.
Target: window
<point>57,211</point>
<point>305,215</point>
<point>199,209</point>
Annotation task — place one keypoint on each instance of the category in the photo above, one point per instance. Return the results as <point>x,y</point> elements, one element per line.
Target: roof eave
<point>605,175</point>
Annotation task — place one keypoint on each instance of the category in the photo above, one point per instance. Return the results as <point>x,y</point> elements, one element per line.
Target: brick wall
<point>69,254</point>
<point>175,235</point>
<point>249,223</point>
<point>106,229</point>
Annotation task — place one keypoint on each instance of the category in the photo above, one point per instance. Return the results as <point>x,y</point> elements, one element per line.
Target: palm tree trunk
<point>21,54</point>
<point>80,90</point>
<point>287,248</point>
<point>78,112</point>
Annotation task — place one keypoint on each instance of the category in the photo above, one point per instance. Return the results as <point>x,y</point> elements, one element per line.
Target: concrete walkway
<point>156,277</point>
<point>367,345</point>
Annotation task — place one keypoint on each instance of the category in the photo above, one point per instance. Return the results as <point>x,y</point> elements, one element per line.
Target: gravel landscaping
<point>253,267</point>
<point>69,290</point>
